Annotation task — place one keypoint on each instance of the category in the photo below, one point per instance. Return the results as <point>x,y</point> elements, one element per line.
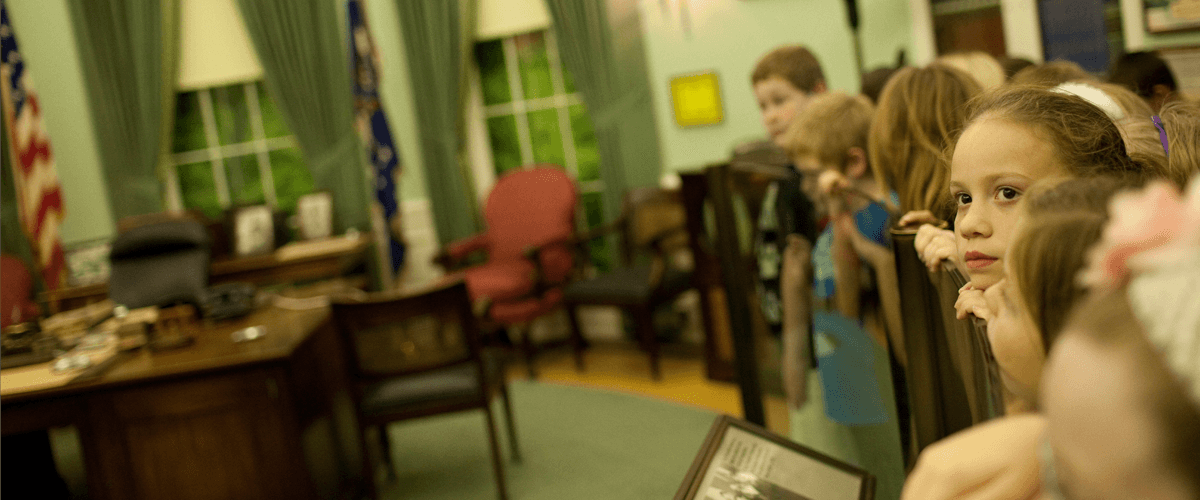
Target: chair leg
<point>643,318</point>
<point>372,491</point>
<point>576,337</point>
<point>508,419</point>
<point>527,349</point>
<point>385,451</point>
<point>497,461</point>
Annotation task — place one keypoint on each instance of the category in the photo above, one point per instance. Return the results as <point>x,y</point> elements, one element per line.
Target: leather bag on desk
<point>160,263</point>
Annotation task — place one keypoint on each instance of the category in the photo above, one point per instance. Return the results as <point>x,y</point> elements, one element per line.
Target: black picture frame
<point>251,230</point>
<point>753,441</point>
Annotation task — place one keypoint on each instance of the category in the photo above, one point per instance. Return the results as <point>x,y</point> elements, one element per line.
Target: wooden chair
<point>953,379</point>
<point>652,225</point>
<point>415,355</point>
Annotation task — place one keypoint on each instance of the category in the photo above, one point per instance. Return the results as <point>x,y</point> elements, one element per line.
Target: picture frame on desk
<point>314,214</point>
<point>251,230</point>
<point>739,459</point>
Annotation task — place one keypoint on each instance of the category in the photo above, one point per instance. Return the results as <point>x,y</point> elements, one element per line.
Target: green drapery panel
<point>128,51</point>
<point>438,36</point>
<point>613,80</point>
<point>300,46</point>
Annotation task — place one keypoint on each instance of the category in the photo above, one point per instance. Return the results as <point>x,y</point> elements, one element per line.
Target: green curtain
<point>128,50</point>
<point>300,46</point>
<point>438,38</point>
<point>613,80</point>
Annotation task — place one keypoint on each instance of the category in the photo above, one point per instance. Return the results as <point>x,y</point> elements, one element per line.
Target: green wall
<point>729,36</point>
<point>47,42</point>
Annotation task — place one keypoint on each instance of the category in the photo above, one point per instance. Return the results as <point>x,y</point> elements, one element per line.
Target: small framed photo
<point>314,212</point>
<point>253,230</point>
<point>742,460</point>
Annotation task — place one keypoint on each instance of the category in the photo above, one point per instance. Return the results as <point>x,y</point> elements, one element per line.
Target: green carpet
<point>576,443</point>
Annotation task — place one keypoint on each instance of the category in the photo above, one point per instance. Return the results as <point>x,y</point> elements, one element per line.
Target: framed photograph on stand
<point>741,460</point>
<point>314,213</point>
<point>253,230</point>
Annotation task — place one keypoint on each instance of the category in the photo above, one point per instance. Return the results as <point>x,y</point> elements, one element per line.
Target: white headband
<point>1095,96</point>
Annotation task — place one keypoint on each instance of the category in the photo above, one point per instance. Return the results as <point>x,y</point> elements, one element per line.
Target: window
<point>231,147</point>
<point>535,115</point>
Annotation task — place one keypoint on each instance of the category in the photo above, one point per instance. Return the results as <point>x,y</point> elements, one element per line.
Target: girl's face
<point>994,162</point>
<point>1105,444</point>
<point>1016,341</point>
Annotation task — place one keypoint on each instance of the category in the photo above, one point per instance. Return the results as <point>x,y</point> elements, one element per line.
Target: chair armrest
<point>451,255</point>
<point>657,240</point>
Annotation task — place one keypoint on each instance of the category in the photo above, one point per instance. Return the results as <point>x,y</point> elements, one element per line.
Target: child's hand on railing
<point>972,301</point>
<point>934,245</point>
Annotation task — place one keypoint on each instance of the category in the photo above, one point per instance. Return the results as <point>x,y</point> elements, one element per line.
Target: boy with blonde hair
<point>828,143</point>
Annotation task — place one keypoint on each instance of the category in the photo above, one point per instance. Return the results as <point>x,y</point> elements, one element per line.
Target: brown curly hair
<point>1084,139</point>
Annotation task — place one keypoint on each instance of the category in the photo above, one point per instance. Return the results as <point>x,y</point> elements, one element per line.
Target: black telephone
<point>230,300</point>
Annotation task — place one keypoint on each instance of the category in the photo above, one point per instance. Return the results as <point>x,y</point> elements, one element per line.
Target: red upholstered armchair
<point>530,216</point>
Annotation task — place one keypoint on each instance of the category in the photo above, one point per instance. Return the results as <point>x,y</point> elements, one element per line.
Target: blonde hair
<point>1181,121</point>
<point>981,66</point>
<point>1051,74</point>
<point>919,112</point>
<point>1084,138</point>
<point>831,124</point>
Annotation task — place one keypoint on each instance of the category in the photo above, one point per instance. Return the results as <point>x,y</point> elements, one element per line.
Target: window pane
<point>534,65</point>
<point>233,117</point>
<point>245,182</point>
<point>273,125</point>
<point>189,126</point>
<point>292,178</point>
<point>198,189</point>
<point>593,209</point>
<point>546,138</point>
<point>587,156</point>
<point>506,149</point>
<point>493,76</point>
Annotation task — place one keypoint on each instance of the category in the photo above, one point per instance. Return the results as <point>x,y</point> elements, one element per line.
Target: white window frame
<point>215,154</point>
<point>518,107</point>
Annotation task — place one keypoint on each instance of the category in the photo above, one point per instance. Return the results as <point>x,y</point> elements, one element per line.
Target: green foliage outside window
<point>236,150</point>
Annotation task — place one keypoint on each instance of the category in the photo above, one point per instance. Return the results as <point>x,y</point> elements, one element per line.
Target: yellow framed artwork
<point>697,99</point>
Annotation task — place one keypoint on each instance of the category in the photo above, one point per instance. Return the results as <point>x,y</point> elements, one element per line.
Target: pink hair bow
<point>1147,229</point>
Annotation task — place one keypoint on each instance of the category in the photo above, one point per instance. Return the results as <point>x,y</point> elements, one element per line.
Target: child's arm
<point>884,263</point>
<point>795,293</point>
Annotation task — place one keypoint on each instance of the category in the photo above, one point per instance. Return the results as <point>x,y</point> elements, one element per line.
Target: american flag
<point>376,134</point>
<point>39,198</point>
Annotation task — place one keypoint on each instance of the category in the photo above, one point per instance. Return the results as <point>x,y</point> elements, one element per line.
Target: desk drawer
<point>217,437</point>
<point>198,395</point>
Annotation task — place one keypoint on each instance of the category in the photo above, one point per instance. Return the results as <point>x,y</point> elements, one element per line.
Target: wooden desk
<point>269,418</point>
<point>291,263</point>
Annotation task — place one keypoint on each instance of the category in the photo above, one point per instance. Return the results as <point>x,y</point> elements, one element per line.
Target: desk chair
<point>417,355</point>
<point>653,227</point>
<point>530,215</point>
